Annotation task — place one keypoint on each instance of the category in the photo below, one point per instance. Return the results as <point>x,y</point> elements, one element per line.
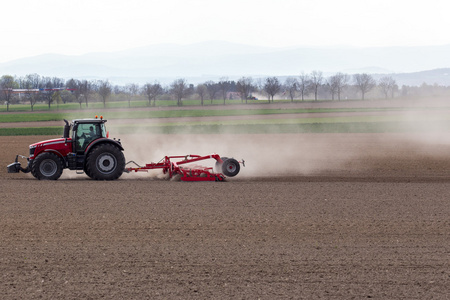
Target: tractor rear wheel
<point>47,166</point>
<point>105,162</point>
<point>85,169</point>
<point>230,167</point>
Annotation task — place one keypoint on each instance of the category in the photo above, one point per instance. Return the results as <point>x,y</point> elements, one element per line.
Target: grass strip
<point>57,131</point>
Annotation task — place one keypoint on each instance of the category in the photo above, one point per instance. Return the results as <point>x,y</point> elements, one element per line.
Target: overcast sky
<point>30,27</point>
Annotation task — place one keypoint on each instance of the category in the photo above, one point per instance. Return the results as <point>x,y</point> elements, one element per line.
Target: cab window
<point>85,134</point>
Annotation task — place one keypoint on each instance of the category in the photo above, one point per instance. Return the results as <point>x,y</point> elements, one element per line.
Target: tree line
<point>312,86</point>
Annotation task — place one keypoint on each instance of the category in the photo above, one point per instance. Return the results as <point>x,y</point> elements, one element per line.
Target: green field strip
<point>57,131</point>
<point>97,105</point>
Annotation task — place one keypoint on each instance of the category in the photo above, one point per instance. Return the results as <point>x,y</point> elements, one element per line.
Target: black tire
<point>47,166</point>
<point>231,167</point>
<point>86,171</point>
<point>218,166</point>
<point>105,162</point>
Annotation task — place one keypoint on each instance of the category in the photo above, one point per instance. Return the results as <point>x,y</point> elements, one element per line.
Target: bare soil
<point>336,216</point>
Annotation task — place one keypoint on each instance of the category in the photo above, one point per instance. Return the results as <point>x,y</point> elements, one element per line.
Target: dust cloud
<point>413,141</point>
<point>268,155</point>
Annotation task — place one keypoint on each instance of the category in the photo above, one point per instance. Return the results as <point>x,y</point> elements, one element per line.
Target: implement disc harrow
<point>177,165</point>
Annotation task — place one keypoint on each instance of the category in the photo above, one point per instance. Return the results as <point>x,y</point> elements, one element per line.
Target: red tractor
<point>85,146</point>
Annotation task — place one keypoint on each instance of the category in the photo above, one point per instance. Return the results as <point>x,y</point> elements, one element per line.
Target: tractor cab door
<point>84,134</point>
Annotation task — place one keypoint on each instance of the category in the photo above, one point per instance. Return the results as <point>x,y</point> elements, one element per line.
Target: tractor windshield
<point>86,133</point>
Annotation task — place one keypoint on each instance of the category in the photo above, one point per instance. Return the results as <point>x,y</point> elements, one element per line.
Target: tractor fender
<point>54,151</point>
<point>63,158</point>
<point>103,141</point>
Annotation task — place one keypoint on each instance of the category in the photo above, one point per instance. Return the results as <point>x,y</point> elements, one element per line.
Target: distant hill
<point>212,60</point>
<point>436,76</point>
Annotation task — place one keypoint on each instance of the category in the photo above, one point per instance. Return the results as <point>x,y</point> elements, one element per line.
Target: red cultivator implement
<point>223,167</point>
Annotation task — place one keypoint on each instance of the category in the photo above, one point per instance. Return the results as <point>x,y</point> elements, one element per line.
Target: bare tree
<point>272,86</point>
<point>104,90</point>
<point>152,91</point>
<point>343,80</point>
<point>58,83</point>
<point>202,90</point>
<point>337,83</point>
<point>388,86</point>
<point>31,82</point>
<point>75,87</point>
<point>303,85</point>
<point>245,87</point>
<point>333,84</point>
<point>33,97</point>
<point>213,88</point>
<point>86,89</point>
<point>56,97</point>
<point>117,89</point>
<point>291,85</point>
<point>364,82</point>
<point>316,81</point>
<point>224,85</point>
<point>7,84</point>
<point>179,88</point>
<point>47,90</point>
<point>131,90</point>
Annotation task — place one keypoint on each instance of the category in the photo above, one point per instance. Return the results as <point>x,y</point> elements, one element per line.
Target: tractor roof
<point>88,121</point>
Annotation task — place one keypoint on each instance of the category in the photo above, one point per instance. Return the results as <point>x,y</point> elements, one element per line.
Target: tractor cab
<point>84,132</point>
<point>82,136</point>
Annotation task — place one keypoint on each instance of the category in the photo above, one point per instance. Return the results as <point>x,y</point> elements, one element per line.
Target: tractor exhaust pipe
<point>16,167</point>
<point>66,129</point>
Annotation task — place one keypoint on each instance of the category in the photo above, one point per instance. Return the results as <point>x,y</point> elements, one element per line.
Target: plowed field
<point>336,216</point>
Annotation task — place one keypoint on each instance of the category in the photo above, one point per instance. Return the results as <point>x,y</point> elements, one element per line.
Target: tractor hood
<point>61,146</point>
<point>49,142</point>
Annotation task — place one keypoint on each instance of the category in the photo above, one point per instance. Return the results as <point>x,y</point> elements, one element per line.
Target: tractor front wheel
<point>47,166</point>
<point>105,162</point>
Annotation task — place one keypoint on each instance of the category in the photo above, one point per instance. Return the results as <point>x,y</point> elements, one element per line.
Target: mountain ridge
<point>166,62</point>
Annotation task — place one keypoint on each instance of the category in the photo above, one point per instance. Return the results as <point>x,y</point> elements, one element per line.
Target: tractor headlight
<point>32,151</point>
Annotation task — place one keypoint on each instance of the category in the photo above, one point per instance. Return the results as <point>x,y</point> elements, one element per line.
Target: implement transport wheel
<point>105,162</point>
<point>230,167</point>
<point>47,166</point>
<point>218,166</point>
